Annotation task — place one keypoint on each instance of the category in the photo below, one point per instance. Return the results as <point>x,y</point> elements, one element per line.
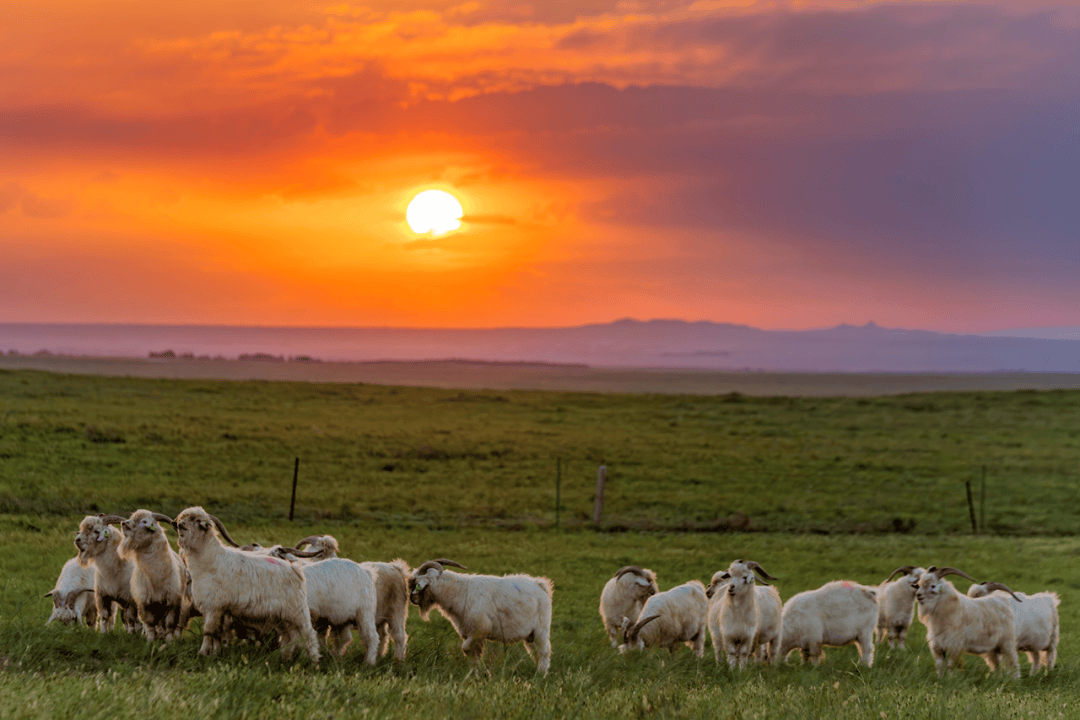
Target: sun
<point>434,211</point>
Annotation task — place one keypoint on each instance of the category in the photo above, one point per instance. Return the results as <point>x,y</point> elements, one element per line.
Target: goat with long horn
<point>896,605</point>
<point>957,624</point>
<point>228,584</point>
<point>158,578</point>
<point>623,597</point>
<point>507,609</point>
<point>1038,628</point>
<point>743,618</point>
<point>669,619</point>
<point>73,595</point>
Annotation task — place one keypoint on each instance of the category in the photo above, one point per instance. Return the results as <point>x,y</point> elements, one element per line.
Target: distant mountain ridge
<point>622,343</point>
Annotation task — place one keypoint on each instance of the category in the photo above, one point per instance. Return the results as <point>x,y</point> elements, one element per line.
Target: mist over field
<point>624,343</point>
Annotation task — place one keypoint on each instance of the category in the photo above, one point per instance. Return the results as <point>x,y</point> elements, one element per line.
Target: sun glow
<point>435,212</point>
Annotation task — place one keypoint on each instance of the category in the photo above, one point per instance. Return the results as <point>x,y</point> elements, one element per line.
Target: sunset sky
<point>778,164</point>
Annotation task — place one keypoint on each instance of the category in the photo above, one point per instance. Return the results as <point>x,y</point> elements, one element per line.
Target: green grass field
<point>452,458</point>
<point>421,473</point>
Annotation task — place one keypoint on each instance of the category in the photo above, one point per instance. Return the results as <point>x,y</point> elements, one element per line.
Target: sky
<point>776,164</point>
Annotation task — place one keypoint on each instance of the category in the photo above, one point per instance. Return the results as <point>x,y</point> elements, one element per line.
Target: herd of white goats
<point>132,573</point>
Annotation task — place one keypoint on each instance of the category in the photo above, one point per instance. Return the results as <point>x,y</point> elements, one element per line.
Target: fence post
<point>598,507</point>
<point>295,474</point>
<point>971,507</point>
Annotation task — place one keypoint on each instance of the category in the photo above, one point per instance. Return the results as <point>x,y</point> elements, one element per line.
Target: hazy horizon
<point>626,343</point>
<point>1046,332</point>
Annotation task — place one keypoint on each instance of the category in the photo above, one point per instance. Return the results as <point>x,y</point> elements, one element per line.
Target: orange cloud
<point>743,161</point>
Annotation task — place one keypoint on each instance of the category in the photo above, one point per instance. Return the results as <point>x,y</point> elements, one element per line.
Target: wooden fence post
<point>598,507</point>
<point>971,507</point>
<point>295,474</point>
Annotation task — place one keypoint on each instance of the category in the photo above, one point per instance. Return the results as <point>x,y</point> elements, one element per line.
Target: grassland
<point>452,458</point>
<point>422,473</point>
<point>62,671</point>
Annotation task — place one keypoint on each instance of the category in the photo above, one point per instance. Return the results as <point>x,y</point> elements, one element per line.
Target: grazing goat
<point>248,588</point>
<point>744,619</point>
<point>507,609</point>
<point>956,624</point>
<point>159,577</point>
<point>1037,625</point>
<point>73,595</point>
<point>836,614</point>
<point>97,544</point>
<point>669,618</point>
<point>391,592</point>
<point>623,597</point>
<point>341,596</point>
<point>896,605</point>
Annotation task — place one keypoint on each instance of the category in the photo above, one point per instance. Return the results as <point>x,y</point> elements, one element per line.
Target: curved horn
<point>942,572</point>
<point>451,563</point>
<point>903,570</point>
<point>760,571</point>
<point>632,634</point>
<point>992,586</point>
<point>70,603</point>
<point>161,518</point>
<point>309,540</point>
<point>111,519</point>
<point>428,566</point>
<point>630,569</point>
<point>300,553</point>
<point>224,532</point>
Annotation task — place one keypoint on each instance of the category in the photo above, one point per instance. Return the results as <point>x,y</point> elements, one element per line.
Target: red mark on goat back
<point>847,584</point>
<point>272,561</point>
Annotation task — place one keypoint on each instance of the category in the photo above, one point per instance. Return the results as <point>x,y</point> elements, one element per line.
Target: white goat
<point>1037,625</point>
<point>669,618</point>
<point>73,595</point>
<point>391,592</point>
<point>159,577</point>
<point>249,588</point>
<point>957,624</point>
<point>391,604</point>
<point>836,614</point>
<point>507,609</point>
<point>341,596</point>
<point>623,597</point>
<point>744,619</point>
<point>896,605</point>
<point>97,544</point>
